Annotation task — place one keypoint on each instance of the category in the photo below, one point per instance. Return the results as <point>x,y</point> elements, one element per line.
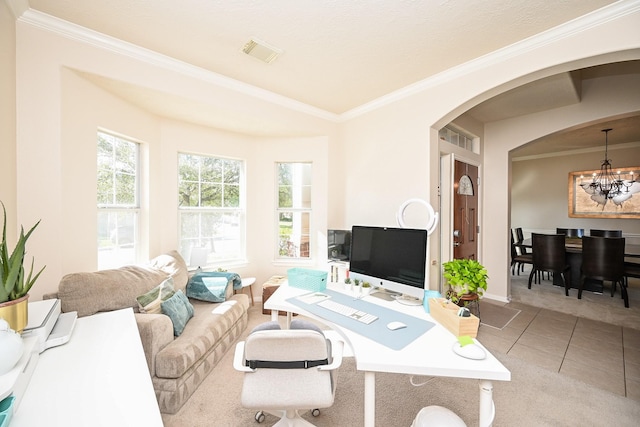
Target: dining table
<point>573,248</point>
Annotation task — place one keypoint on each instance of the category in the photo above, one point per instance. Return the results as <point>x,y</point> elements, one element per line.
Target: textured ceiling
<point>337,54</point>
<point>340,54</point>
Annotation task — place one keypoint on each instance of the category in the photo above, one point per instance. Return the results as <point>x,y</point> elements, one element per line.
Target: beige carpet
<point>534,397</point>
<point>496,316</point>
<point>601,307</point>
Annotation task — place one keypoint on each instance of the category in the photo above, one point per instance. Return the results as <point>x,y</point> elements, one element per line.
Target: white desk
<point>429,355</point>
<point>99,378</point>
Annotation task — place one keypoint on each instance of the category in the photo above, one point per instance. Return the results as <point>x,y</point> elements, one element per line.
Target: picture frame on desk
<point>582,204</point>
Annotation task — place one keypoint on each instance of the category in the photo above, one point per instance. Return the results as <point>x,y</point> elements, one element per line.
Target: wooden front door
<point>465,208</point>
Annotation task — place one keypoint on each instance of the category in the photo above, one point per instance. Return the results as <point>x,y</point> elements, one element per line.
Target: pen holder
<point>446,313</point>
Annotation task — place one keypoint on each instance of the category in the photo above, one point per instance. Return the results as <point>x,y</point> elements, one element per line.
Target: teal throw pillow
<point>150,302</point>
<point>179,310</point>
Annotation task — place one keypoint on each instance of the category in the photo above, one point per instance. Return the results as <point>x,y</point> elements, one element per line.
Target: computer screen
<point>339,245</point>
<point>390,258</point>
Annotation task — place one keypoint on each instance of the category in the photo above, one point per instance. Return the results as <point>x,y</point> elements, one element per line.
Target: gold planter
<point>16,313</point>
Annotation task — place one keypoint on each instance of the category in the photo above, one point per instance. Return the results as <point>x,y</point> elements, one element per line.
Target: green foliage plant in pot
<point>466,277</point>
<point>14,283</point>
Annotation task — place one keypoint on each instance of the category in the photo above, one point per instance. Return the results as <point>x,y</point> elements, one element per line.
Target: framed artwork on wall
<point>585,202</point>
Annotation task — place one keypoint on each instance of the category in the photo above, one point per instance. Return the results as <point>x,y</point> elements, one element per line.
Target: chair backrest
<point>280,380</point>
<point>514,252</point>
<point>603,257</point>
<point>520,239</point>
<point>605,233</point>
<point>571,232</point>
<point>549,252</point>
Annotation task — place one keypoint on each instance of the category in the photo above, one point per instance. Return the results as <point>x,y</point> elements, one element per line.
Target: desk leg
<point>369,399</point>
<point>288,320</point>
<point>275,318</point>
<point>487,407</point>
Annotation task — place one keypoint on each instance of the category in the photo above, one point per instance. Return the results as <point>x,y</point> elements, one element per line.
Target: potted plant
<point>366,288</point>
<point>14,283</point>
<point>467,280</point>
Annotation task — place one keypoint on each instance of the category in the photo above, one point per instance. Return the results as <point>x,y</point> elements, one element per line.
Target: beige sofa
<point>177,365</point>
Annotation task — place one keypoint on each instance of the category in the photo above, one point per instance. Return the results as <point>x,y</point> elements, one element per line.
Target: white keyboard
<point>347,311</point>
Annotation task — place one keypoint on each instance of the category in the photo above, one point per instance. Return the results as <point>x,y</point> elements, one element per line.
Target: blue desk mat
<point>377,330</point>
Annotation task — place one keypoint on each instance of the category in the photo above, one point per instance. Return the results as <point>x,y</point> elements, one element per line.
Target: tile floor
<point>600,354</point>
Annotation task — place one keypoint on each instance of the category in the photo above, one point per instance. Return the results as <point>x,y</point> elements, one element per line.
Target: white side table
<point>247,282</point>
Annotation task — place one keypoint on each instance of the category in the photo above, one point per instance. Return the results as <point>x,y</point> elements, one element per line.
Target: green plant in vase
<point>467,279</point>
<point>366,288</point>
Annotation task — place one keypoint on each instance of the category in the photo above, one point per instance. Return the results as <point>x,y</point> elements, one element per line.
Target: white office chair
<point>287,371</point>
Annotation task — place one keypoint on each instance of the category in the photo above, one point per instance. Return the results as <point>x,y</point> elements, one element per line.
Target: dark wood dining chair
<point>549,255</point>
<point>518,259</point>
<point>571,232</point>
<point>631,269</point>
<point>520,239</point>
<point>605,233</point>
<point>603,259</point>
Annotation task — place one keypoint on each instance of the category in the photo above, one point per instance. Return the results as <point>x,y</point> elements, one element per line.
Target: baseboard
<point>496,298</point>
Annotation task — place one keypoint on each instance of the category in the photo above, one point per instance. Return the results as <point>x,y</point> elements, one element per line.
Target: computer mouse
<point>470,351</point>
<point>396,325</point>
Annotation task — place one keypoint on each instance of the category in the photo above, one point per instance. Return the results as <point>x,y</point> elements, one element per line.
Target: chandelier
<point>605,182</point>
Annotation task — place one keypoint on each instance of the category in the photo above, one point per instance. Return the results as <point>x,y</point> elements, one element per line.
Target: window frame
<point>238,212</point>
<point>294,210</point>
<point>118,209</point>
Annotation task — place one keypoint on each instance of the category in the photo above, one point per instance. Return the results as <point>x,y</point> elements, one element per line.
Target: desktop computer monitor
<point>339,245</point>
<point>391,258</point>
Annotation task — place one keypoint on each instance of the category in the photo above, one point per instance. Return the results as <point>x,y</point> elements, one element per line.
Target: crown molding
<point>568,29</point>
<point>84,35</point>
<point>615,147</point>
<point>23,13</point>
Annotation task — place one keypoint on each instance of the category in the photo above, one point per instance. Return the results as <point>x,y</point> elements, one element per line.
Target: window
<point>210,209</point>
<point>459,138</point>
<point>293,210</point>
<point>118,201</point>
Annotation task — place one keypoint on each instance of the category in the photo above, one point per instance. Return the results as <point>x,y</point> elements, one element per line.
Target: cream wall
<point>59,109</point>
<point>539,191</point>
<point>8,117</point>
<point>450,95</point>
<point>602,98</point>
<point>381,155</point>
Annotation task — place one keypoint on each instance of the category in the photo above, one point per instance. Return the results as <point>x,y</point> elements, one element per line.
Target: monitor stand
<point>385,294</point>
<point>409,300</point>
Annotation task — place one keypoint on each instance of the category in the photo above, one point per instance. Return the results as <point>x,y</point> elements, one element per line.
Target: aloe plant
<point>13,283</point>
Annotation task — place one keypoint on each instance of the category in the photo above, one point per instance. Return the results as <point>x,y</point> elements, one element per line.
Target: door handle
<point>456,233</point>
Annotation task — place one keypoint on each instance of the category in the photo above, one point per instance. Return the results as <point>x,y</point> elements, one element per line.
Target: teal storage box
<point>311,280</point>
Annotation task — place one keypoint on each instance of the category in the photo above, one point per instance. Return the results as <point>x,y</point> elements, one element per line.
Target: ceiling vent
<point>261,50</point>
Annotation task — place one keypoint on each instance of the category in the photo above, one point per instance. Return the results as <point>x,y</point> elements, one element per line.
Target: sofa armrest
<point>52,295</point>
<point>156,331</point>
